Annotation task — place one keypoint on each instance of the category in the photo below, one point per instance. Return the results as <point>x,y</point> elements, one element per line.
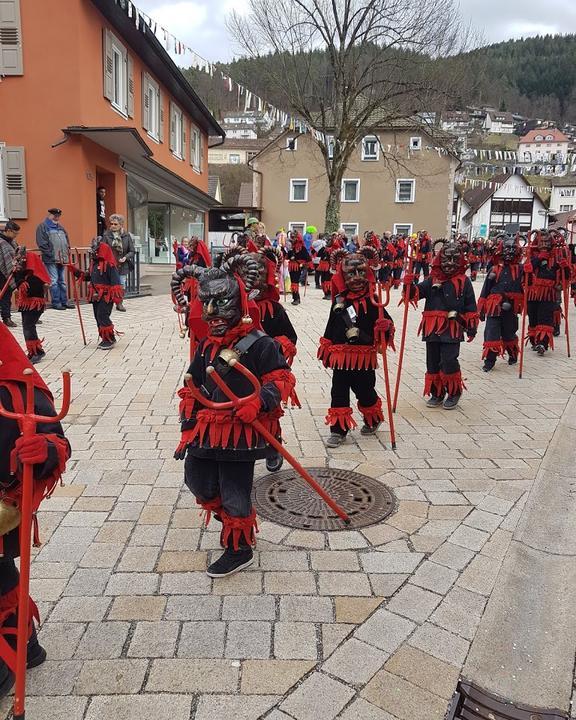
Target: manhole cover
<point>471,702</point>
<point>285,498</point>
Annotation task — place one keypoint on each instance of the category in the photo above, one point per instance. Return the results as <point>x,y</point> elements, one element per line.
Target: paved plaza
<point>371,624</point>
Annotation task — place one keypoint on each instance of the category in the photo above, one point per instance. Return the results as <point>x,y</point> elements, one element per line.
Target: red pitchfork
<point>235,402</point>
<point>27,422</point>
<point>383,349</point>
<point>409,271</point>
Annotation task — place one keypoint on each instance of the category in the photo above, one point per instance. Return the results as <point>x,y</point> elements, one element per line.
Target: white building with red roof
<point>543,145</point>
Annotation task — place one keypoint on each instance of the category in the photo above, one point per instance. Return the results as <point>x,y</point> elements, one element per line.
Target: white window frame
<point>416,143</point>
<point>345,225</point>
<point>294,223</point>
<point>236,161</point>
<point>342,190</point>
<point>292,141</point>
<point>413,194</point>
<point>178,128</point>
<point>403,225</point>
<point>153,117</point>
<point>330,146</point>
<point>120,81</point>
<point>563,208</point>
<point>370,158</point>
<point>2,188</point>
<point>195,142</point>
<point>298,180</point>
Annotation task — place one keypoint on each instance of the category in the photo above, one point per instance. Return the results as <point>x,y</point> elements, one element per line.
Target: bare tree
<point>347,67</point>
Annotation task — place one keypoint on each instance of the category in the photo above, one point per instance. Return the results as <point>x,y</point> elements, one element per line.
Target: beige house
<point>396,180</point>
<point>234,151</point>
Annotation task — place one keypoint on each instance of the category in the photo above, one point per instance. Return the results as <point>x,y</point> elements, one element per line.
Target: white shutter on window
<point>145,103</point>
<point>201,151</point>
<point>161,116</point>
<point>130,73</point>
<point>172,127</point>
<point>10,38</point>
<point>14,170</point>
<point>183,139</point>
<point>108,65</point>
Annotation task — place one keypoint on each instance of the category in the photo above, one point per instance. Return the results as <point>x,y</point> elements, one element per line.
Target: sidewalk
<point>372,624</point>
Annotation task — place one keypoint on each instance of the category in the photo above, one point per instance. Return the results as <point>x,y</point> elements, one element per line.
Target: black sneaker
<point>540,349</point>
<point>556,332</point>
<point>35,359</point>
<point>274,462</point>
<point>120,307</point>
<point>434,401</point>
<point>231,561</point>
<point>488,366</point>
<point>69,306</point>
<point>451,402</point>
<point>327,297</point>
<point>58,307</point>
<point>295,302</point>
<point>369,429</point>
<point>512,361</point>
<point>9,322</point>
<point>335,440</point>
<point>106,345</point>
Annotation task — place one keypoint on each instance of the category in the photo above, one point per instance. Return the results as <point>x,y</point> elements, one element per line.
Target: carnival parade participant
<point>31,278</point>
<point>221,446</point>
<point>423,250</point>
<point>401,248</point>
<point>450,312</point>
<point>501,301</point>
<point>349,348</point>
<point>298,258</point>
<point>475,257</point>
<point>387,260</point>
<point>104,290</point>
<point>47,451</point>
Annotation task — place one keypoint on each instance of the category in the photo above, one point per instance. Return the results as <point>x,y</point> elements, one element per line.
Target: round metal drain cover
<point>285,498</point>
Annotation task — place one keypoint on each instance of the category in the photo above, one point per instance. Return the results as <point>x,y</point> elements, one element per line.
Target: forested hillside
<point>535,77</point>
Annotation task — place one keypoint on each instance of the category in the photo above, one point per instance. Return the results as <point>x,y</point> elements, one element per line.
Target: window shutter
<point>201,151</point>
<point>172,128</point>
<point>183,139</point>
<point>130,73</point>
<point>108,61</point>
<point>161,118</point>
<point>145,103</point>
<point>10,38</point>
<point>15,182</point>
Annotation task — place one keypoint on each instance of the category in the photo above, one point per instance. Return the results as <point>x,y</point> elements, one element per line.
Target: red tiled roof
<point>555,135</point>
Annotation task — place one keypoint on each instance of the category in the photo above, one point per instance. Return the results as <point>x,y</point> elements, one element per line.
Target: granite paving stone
<point>295,641</point>
<point>316,691</point>
<point>202,640</point>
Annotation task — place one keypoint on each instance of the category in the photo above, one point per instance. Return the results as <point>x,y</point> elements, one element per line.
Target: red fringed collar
<point>457,280</point>
<point>215,344</point>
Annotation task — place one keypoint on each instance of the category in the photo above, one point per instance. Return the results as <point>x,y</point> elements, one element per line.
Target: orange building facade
<point>90,98</point>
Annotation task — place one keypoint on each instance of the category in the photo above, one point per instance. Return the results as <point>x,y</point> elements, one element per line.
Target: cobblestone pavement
<point>358,625</point>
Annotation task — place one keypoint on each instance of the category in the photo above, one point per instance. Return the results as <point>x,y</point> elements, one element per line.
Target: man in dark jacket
<point>8,247</point>
<point>123,248</point>
<point>52,240</point>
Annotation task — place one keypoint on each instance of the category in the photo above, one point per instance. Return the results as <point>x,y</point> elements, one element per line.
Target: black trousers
<point>421,267</point>
<point>6,301</point>
<point>442,357</point>
<point>361,382</point>
<point>29,320</point>
<point>8,575</point>
<point>317,277</point>
<point>326,278</point>
<point>102,311</point>
<point>541,312</point>
<point>397,274</point>
<point>384,274</point>
<point>231,481</point>
<point>503,327</point>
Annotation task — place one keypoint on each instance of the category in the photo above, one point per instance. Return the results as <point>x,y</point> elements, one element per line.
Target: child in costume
<point>31,279</point>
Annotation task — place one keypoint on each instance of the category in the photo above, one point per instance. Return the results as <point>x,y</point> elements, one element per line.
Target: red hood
<point>14,361</point>
<point>35,265</point>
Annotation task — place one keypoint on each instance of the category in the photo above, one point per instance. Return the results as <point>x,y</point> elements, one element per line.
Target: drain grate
<point>472,703</point>
<point>286,499</point>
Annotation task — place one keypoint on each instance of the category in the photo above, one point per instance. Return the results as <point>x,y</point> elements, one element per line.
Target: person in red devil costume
<point>545,274</point>
<point>423,257</point>
<point>387,259</point>
<point>48,451</point>
<point>400,244</point>
<point>221,446</point>
<point>450,312</point>
<point>298,258</point>
<point>349,347</point>
<point>475,257</point>
<point>500,302</point>
<point>333,243</point>
<point>104,290</point>
<point>31,278</point>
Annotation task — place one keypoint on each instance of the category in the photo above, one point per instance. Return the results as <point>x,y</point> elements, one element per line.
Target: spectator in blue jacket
<point>52,241</point>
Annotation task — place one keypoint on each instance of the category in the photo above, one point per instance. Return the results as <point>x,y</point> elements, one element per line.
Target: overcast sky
<point>200,23</point>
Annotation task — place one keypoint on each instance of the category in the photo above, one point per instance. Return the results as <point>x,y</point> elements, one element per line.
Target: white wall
<point>562,196</point>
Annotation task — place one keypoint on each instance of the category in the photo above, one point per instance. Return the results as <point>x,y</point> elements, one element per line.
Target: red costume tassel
<point>492,305</point>
<point>34,347</point>
<point>433,384</point>
<point>542,290</point>
<point>342,417</point>
<point>324,266</point>
<point>372,414</point>
<point>348,357</point>
<point>209,508</point>
<point>25,302</point>
<point>414,294</point>
<point>512,348</point>
<point>266,308</point>
<point>107,293</point>
<point>517,300</point>
<point>323,353</point>
<point>288,348</point>
<point>453,383</point>
<point>238,527</point>
<point>541,333</point>
<point>471,320</point>
<point>284,381</point>
<point>187,404</point>
<point>557,317</point>
<point>9,606</point>
<point>294,287</point>
<point>434,322</point>
<point>494,346</point>
<point>106,332</point>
